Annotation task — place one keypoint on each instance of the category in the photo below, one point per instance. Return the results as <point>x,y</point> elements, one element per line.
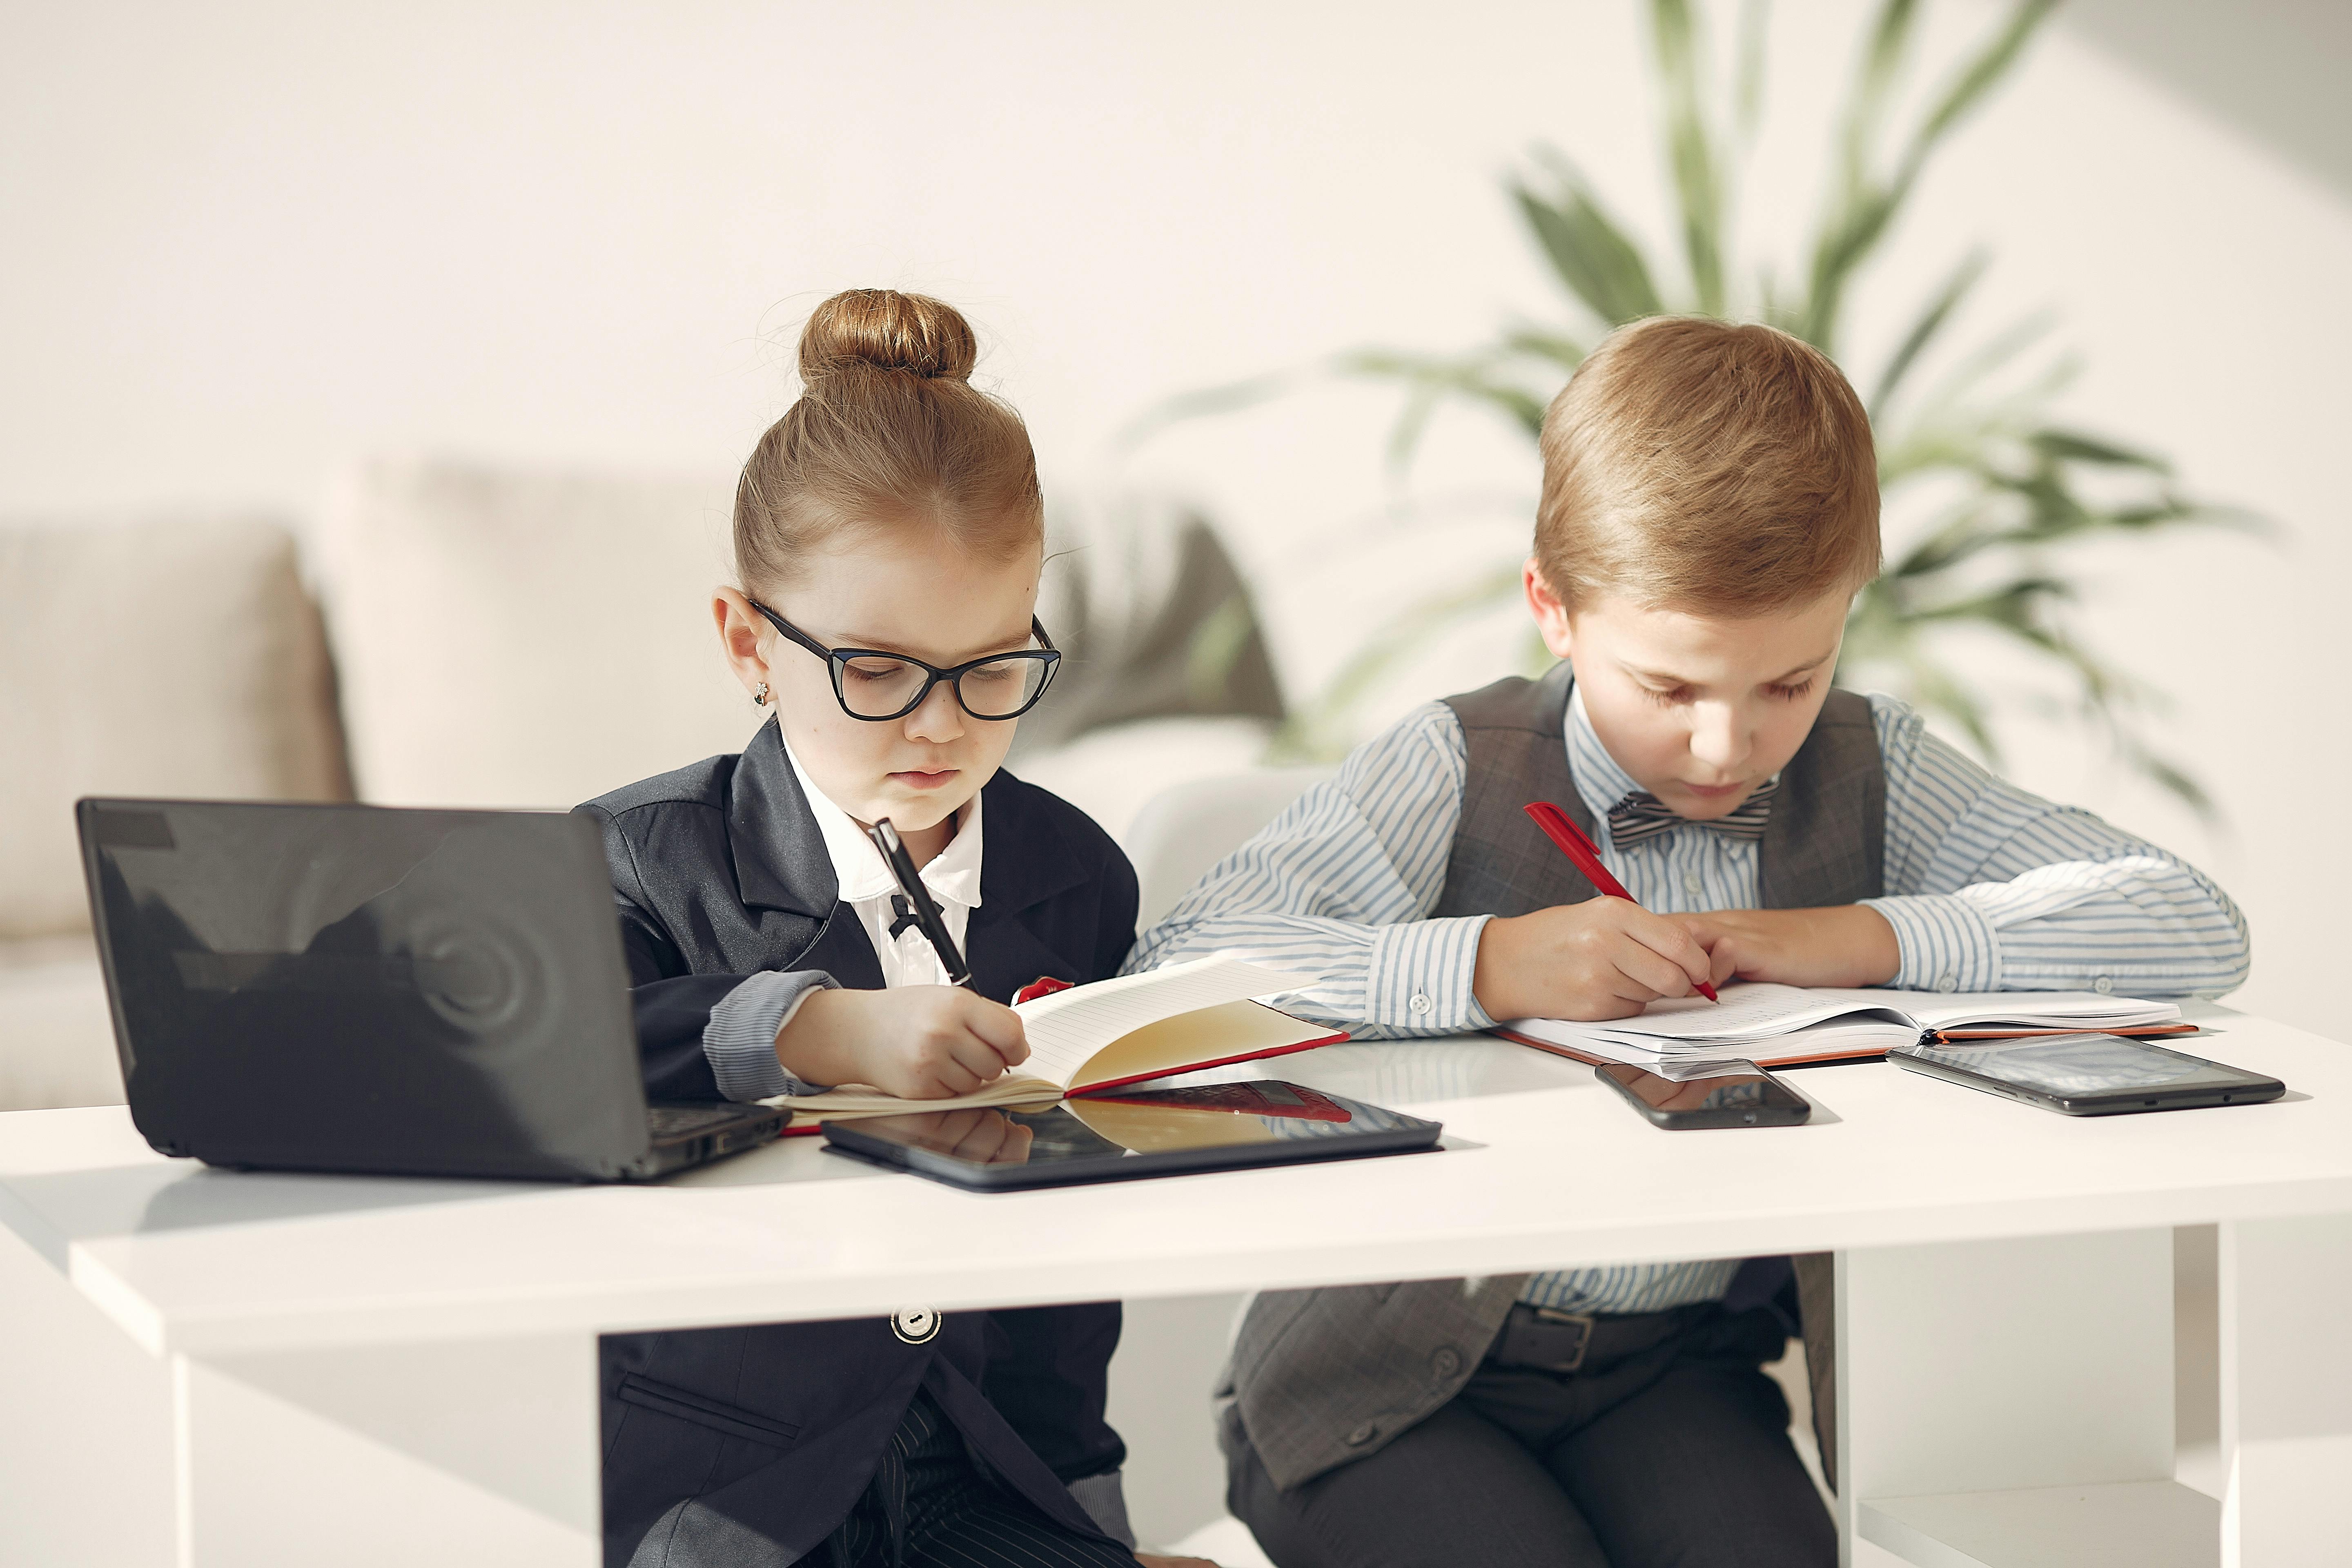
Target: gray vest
<point>1825,843</point>
<point>1323,1376</point>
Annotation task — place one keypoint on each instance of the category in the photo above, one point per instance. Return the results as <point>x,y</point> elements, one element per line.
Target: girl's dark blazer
<point>720,873</point>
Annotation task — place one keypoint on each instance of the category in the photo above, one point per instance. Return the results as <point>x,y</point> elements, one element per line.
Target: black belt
<point>1548,1339</point>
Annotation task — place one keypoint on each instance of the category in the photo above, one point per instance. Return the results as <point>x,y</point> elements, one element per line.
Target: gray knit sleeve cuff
<point>1105,1500</point>
<point>739,1041</point>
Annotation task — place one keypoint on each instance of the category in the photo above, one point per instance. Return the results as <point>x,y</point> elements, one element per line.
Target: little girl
<point>889,538</point>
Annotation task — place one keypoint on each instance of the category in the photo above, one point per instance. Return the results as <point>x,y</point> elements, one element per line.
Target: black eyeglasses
<point>876,686</point>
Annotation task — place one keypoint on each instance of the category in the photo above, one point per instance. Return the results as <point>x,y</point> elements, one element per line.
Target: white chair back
<point>1186,829</point>
<point>1175,1476</point>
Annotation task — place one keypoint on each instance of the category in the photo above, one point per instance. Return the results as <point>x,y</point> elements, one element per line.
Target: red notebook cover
<point>1243,1100</point>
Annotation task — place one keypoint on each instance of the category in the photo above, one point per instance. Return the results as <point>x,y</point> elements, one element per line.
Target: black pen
<point>919,899</point>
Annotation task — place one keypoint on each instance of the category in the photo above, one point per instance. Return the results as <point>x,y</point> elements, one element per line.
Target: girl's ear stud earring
<point>760,698</point>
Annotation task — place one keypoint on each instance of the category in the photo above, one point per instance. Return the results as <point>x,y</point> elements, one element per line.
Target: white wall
<point>247,242</point>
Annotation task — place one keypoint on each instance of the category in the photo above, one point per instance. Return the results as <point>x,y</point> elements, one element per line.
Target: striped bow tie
<point>1641,815</point>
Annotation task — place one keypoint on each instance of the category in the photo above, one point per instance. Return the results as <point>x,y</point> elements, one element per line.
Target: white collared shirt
<point>863,881</point>
<point>739,1040</point>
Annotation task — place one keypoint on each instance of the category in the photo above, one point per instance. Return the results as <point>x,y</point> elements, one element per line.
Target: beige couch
<point>455,635</point>
<point>175,655</point>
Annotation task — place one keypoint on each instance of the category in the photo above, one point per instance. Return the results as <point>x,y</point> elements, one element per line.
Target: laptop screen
<point>342,987</point>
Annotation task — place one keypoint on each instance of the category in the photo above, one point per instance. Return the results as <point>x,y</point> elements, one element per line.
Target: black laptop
<point>361,988</point>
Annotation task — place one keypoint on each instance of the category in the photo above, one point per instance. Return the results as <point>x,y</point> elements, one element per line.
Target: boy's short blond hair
<point>1696,465</point>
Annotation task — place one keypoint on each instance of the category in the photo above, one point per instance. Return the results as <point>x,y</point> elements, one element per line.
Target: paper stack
<point>1781,1025</point>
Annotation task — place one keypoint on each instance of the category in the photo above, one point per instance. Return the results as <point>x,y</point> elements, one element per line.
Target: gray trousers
<point>1676,1454</point>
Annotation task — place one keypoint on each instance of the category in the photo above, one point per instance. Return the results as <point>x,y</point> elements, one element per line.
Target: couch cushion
<point>170,656</point>
<point>510,639</point>
<point>1155,620</point>
<point>57,1034</point>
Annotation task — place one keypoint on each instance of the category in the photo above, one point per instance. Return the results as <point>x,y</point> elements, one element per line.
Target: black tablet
<point>2090,1074</point>
<point>1130,1134</point>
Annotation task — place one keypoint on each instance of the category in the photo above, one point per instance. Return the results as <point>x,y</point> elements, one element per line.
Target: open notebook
<point>1778,1025</point>
<point>1090,1038</point>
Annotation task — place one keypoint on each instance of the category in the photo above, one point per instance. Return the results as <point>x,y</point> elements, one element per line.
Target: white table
<point>213,1369</point>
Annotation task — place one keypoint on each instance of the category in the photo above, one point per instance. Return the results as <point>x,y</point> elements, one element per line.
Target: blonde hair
<point>888,433</point>
<point>1699,464</point>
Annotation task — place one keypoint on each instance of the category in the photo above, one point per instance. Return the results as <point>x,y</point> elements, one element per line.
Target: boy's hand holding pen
<point>1605,958</point>
<point>1845,945</point>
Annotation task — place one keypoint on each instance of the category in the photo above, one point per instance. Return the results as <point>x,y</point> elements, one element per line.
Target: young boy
<point>1710,510</point>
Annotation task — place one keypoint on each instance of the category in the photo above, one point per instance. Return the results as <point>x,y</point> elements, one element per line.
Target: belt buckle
<point>1584,1322</point>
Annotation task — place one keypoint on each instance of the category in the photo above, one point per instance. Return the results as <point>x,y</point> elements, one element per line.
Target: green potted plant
<point>2017,491</point>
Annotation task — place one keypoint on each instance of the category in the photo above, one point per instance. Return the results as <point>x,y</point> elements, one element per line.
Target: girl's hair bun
<point>889,433</point>
<point>881,329</point>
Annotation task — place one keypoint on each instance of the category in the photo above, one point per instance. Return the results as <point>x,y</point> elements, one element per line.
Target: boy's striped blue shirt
<point>1988,888</point>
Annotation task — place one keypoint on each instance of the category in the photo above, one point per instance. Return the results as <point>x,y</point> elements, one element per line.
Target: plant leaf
<point>1931,320</point>
<point>1868,208</point>
<point>1973,82</point>
<point>2071,447</point>
<point>1987,358</point>
<point>1882,62</point>
<point>1875,206</point>
<point>2168,774</point>
<point>1542,342</point>
<point>1843,245</point>
<point>1230,397</point>
<point>1690,151</point>
<point>1429,380</point>
<point>2015,607</point>
<point>1747,94</point>
<point>1857,211</point>
<point>1316,730</point>
<point>1939,690</point>
<point>1590,252</point>
<point>1890,40</point>
<point>1413,420</point>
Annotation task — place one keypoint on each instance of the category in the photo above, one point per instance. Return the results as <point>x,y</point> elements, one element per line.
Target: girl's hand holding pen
<point>919,1042</point>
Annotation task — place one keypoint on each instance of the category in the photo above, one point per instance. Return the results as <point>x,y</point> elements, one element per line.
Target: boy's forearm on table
<point>1944,942</point>
<point>1996,888</point>
<point>2143,924</point>
<point>2146,925</point>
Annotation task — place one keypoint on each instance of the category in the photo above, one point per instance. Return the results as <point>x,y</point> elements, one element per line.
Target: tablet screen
<point>1101,1128</point>
<point>2069,1065</point>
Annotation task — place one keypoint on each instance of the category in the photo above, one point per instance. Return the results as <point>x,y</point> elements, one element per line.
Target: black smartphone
<point>1707,1094</point>
<point>2089,1074</point>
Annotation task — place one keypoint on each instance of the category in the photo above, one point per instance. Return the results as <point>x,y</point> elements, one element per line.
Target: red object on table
<point>1578,848</point>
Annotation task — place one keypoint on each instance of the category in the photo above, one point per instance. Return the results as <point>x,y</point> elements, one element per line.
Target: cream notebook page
<point>1123,1027</point>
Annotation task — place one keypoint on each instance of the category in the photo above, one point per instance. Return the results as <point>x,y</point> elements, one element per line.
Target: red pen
<point>1578,848</point>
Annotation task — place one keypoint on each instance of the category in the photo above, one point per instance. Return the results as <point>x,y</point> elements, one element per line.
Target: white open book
<point>1775,1025</point>
<point>1090,1038</point>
